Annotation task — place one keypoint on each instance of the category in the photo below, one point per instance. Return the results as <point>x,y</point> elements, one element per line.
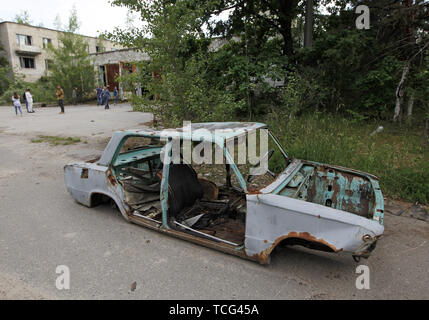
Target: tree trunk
<point>400,92</point>
<point>286,13</point>
<point>410,108</point>
<point>287,42</point>
<point>308,32</point>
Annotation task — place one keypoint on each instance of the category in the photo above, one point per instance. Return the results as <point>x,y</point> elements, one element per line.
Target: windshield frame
<point>242,181</point>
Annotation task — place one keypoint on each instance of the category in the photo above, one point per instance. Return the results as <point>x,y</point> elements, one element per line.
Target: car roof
<point>207,131</point>
<point>217,132</point>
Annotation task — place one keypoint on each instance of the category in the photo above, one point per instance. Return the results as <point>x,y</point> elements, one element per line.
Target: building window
<point>99,49</point>
<point>27,63</point>
<point>46,43</point>
<point>48,63</point>
<point>23,39</point>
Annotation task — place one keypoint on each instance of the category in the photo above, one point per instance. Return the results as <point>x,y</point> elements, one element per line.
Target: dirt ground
<point>41,227</point>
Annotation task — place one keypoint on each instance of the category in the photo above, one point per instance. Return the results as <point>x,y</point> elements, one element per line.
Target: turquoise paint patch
<point>136,155</point>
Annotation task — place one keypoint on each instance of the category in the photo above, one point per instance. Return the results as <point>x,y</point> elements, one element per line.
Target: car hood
<point>337,187</point>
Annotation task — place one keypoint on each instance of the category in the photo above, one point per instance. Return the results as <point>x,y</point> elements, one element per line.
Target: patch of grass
<point>396,155</point>
<point>55,140</point>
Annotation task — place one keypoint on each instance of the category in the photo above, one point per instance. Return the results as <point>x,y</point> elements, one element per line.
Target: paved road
<point>80,121</point>
<point>41,227</point>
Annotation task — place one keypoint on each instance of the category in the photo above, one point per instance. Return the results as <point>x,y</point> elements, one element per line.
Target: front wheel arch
<point>305,240</point>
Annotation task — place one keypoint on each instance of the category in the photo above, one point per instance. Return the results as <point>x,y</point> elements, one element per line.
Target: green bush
<point>42,91</point>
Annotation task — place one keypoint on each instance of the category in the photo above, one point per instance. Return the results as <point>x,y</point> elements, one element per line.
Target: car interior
<point>196,205</point>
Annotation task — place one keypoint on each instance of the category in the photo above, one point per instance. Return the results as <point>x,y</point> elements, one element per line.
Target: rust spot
<point>366,238</point>
<point>93,160</point>
<point>349,193</point>
<point>111,178</point>
<point>252,191</point>
<point>159,175</point>
<point>84,174</point>
<point>264,256</point>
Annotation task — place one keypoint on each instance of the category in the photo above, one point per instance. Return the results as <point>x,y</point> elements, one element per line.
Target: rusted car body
<point>323,207</point>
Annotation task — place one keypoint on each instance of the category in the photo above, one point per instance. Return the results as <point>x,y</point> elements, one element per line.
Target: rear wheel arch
<point>97,198</point>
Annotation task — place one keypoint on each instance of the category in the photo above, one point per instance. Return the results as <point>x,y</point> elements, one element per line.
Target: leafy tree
<point>361,69</point>
<point>175,77</point>
<point>345,70</point>
<point>23,17</point>
<point>71,65</point>
<point>5,72</point>
<point>267,17</point>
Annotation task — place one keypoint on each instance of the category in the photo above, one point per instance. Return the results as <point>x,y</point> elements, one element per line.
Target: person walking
<point>116,95</point>
<point>106,96</point>
<point>60,98</point>
<point>25,99</point>
<point>74,96</point>
<point>16,103</point>
<point>99,93</point>
<point>29,99</point>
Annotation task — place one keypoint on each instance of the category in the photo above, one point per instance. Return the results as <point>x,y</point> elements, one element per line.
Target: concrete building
<point>110,65</point>
<point>26,48</point>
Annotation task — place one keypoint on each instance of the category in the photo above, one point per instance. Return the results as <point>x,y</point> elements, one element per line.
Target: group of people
<point>27,97</point>
<point>103,96</point>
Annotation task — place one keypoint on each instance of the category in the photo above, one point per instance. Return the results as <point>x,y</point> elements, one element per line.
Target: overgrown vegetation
<point>55,140</point>
<point>41,90</point>
<point>5,72</point>
<point>323,98</point>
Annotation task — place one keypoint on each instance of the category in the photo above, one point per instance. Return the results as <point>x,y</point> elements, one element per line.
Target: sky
<point>95,16</point>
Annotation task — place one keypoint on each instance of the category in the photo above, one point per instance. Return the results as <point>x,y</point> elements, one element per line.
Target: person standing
<point>60,98</point>
<point>102,96</point>
<point>74,96</point>
<point>16,103</point>
<point>99,93</point>
<point>29,99</point>
<point>116,95</point>
<point>25,99</point>
<point>106,96</point>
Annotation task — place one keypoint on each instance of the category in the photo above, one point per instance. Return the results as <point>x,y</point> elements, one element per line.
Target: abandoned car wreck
<point>295,202</point>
